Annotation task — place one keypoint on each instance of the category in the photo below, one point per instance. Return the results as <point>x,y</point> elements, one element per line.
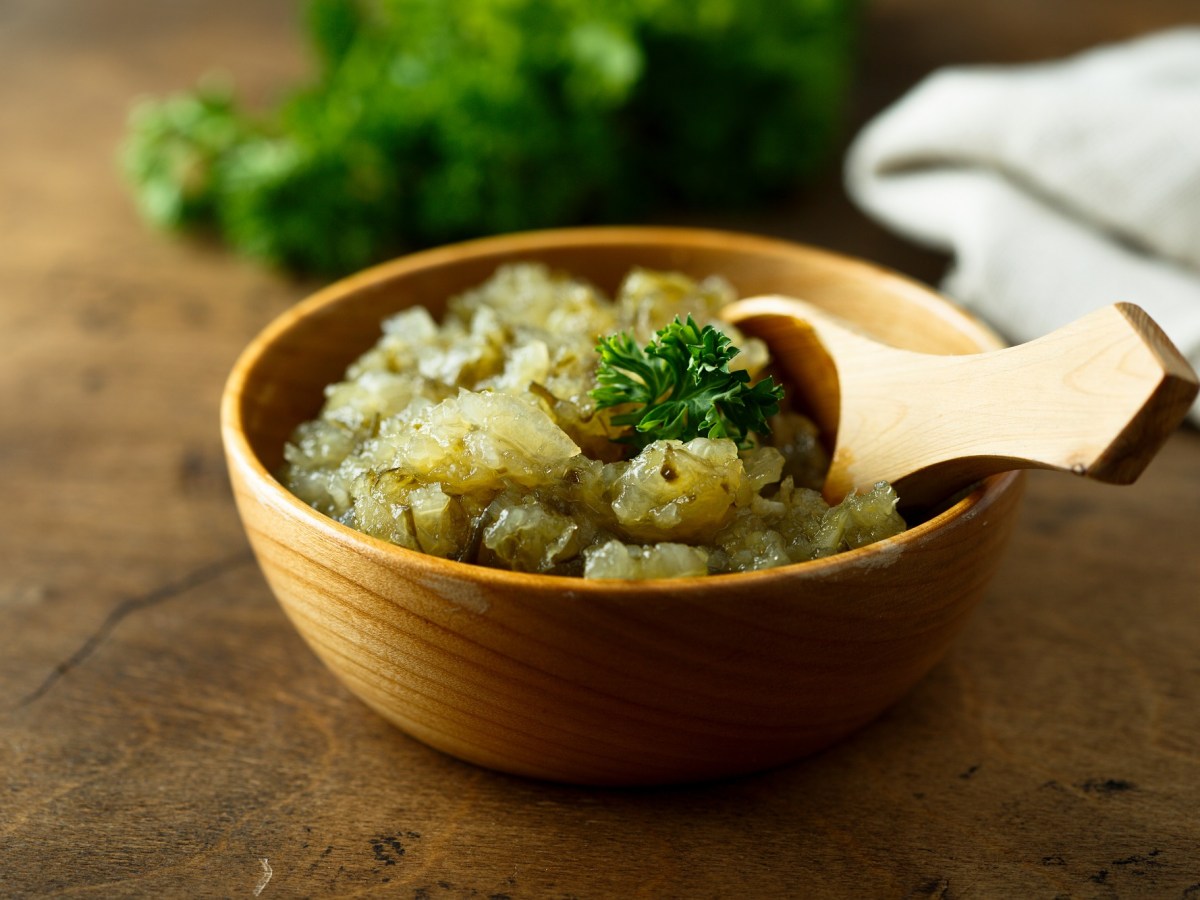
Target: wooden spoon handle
<point>1097,397</point>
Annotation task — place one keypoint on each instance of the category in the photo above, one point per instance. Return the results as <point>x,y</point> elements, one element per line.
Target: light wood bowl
<point>604,682</point>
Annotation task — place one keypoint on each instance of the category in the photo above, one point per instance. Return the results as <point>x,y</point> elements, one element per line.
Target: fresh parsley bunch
<point>433,120</point>
<point>681,387</point>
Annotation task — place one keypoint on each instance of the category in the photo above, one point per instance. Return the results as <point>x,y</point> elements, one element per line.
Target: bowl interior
<point>310,347</point>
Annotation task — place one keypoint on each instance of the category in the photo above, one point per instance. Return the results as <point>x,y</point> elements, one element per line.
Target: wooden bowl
<point>607,682</point>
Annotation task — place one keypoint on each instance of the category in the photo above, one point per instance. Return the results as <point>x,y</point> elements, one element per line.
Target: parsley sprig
<point>681,387</point>
<point>427,122</point>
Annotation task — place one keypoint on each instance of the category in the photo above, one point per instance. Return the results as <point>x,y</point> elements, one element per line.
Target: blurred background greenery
<point>429,121</point>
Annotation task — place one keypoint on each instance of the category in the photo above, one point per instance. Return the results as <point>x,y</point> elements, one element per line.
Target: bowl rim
<point>240,453</point>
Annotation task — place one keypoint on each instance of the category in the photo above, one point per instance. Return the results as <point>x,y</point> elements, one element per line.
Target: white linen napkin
<point>1057,187</point>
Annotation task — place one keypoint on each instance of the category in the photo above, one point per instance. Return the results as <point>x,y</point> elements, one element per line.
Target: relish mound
<point>477,440</point>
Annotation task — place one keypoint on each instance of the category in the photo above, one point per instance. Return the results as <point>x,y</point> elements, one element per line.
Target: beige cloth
<point>1057,187</point>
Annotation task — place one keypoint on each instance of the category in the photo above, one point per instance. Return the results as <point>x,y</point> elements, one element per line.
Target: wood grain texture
<point>1097,398</point>
<point>163,728</point>
<point>603,682</point>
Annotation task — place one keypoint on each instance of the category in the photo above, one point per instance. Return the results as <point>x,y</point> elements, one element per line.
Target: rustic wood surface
<point>164,732</point>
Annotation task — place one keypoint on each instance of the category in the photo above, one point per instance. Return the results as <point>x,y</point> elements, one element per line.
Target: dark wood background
<point>164,732</point>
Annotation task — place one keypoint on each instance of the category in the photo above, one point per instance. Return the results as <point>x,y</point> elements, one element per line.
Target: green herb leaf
<point>426,122</point>
<point>681,387</point>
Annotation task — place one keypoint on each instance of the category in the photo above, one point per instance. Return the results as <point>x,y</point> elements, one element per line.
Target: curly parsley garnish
<point>682,387</point>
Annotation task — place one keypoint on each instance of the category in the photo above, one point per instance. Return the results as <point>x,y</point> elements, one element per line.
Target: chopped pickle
<point>477,439</point>
<point>666,560</point>
<point>681,492</point>
<point>526,536</point>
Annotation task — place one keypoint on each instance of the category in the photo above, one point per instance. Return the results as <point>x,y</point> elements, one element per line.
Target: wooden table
<point>164,732</point>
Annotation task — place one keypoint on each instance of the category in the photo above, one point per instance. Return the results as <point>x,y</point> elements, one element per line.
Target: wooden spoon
<point>1097,398</point>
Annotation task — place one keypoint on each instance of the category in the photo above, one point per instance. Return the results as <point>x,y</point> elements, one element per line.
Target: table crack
<point>194,579</point>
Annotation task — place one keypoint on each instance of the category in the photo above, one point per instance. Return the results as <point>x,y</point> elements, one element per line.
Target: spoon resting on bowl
<point>1097,398</point>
